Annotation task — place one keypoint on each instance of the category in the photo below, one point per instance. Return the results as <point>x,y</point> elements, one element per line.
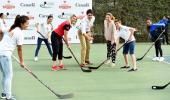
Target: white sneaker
<point>156,59</point>
<point>161,59</point>
<point>35,58</point>
<point>112,64</point>
<point>107,62</point>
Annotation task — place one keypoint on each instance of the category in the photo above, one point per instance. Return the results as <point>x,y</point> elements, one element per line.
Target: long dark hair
<point>18,21</point>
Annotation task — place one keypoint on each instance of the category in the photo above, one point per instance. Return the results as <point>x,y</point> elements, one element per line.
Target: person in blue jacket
<point>154,31</point>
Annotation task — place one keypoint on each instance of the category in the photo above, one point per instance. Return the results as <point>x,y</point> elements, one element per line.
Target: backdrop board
<point>38,10</point>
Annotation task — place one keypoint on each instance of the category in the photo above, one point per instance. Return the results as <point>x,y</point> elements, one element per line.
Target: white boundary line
<point>161,61</point>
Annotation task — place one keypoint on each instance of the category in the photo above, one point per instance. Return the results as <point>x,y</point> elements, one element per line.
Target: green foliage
<point>132,12</point>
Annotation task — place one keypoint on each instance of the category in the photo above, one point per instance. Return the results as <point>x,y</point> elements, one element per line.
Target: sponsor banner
<point>38,10</point>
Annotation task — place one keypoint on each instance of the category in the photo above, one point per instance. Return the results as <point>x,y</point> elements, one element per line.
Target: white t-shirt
<point>8,43</point>
<point>86,24</point>
<point>124,33</point>
<point>45,29</point>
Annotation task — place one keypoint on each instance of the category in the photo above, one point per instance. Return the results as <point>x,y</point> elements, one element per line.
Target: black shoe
<point>125,67</point>
<point>131,70</point>
<point>12,98</point>
<point>3,96</point>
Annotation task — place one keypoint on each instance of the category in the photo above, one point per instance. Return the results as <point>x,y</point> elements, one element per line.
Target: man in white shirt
<point>44,30</point>
<point>85,37</point>
<point>127,33</point>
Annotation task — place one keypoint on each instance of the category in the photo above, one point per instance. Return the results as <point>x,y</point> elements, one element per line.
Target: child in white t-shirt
<point>127,33</point>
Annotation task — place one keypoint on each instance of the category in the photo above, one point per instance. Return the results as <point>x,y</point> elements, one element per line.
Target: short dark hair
<point>89,11</point>
<point>118,20</point>
<point>50,16</point>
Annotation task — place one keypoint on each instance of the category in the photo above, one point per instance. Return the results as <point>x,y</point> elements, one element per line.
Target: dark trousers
<point>165,37</point>
<point>111,51</point>
<point>158,48</point>
<point>57,46</point>
<point>39,42</point>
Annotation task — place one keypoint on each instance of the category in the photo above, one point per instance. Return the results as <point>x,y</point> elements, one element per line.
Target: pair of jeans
<point>7,74</point>
<point>39,42</point>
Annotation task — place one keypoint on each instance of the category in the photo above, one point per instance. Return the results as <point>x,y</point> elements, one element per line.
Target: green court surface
<point>105,83</point>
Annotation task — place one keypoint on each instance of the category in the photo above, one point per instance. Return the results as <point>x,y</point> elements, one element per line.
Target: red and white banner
<point>38,10</point>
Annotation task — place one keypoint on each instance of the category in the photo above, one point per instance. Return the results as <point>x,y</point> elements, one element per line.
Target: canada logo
<point>65,5</point>
<point>8,5</point>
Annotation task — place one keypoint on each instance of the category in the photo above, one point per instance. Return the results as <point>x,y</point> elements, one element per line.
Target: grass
<point>103,84</point>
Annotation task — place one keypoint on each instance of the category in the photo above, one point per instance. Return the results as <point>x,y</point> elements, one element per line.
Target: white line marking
<point>161,61</point>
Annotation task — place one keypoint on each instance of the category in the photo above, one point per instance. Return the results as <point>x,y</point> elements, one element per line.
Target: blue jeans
<point>39,42</point>
<point>129,47</point>
<point>7,74</point>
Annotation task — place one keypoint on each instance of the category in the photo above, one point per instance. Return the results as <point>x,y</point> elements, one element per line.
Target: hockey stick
<point>160,87</point>
<point>107,59</point>
<point>70,95</point>
<point>84,70</point>
<point>138,59</point>
<point>66,57</point>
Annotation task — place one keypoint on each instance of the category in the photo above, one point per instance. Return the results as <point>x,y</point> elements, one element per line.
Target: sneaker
<point>36,59</point>
<point>107,62</point>
<point>3,96</point>
<point>55,68</point>
<point>125,67</point>
<point>12,98</point>
<point>156,59</point>
<point>132,70</point>
<point>161,59</point>
<point>88,63</point>
<point>61,66</point>
<point>112,64</point>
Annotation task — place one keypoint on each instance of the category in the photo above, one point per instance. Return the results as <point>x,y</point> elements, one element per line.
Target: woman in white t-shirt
<point>8,42</point>
<point>44,30</point>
